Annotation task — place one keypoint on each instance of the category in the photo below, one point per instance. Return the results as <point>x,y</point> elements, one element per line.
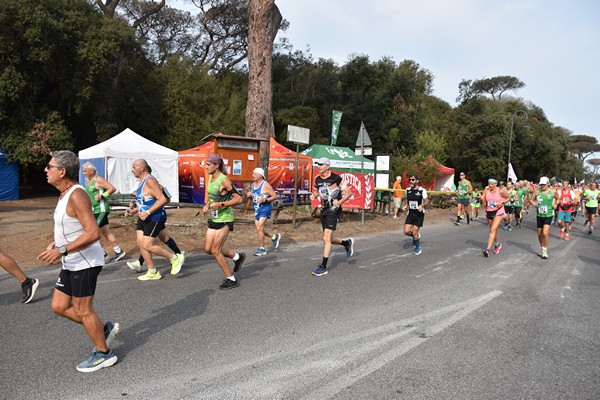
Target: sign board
<point>367,151</point>
<point>382,181</point>
<point>383,162</point>
<point>363,137</point>
<point>297,134</point>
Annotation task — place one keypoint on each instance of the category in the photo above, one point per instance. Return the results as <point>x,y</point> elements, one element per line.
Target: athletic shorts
<point>329,218</point>
<point>101,219</point>
<point>397,202</point>
<point>509,210</point>
<point>415,218</point>
<point>464,202</point>
<point>219,225</point>
<point>262,213</point>
<point>80,283</point>
<point>541,221</point>
<point>151,228</point>
<point>501,212</point>
<point>517,210</point>
<point>591,210</point>
<point>564,216</point>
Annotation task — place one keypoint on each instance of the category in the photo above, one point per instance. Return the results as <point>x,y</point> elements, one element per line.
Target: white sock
<point>152,270</point>
<point>235,258</point>
<point>231,278</point>
<point>173,257</point>
<point>117,249</point>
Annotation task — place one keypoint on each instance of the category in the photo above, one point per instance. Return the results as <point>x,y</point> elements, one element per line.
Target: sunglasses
<point>412,180</point>
<point>50,166</point>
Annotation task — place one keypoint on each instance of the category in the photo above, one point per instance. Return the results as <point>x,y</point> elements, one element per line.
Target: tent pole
<point>295,186</point>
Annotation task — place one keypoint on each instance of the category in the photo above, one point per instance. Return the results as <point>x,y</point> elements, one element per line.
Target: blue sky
<point>553,46</point>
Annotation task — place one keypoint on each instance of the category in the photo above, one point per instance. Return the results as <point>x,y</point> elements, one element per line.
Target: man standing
<point>397,197</point>
<point>567,201</point>
<point>544,199</point>
<point>222,196</point>
<point>99,189</point>
<point>262,195</point>
<point>416,202</point>
<point>462,199</point>
<point>28,285</point>
<point>333,192</point>
<point>77,245</point>
<point>151,221</point>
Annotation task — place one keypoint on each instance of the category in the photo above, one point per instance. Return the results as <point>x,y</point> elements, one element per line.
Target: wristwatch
<point>63,250</point>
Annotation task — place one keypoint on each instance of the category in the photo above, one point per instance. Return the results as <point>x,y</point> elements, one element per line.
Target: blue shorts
<point>564,216</point>
<point>262,213</point>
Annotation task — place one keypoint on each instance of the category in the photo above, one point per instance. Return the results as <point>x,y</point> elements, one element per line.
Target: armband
<point>105,195</point>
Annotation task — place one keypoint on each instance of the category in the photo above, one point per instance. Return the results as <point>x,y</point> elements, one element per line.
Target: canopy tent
<point>193,177</point>
<point>9,179</point>
<point>347,164</point>
<point>442,181</point>
<point>114,157</point>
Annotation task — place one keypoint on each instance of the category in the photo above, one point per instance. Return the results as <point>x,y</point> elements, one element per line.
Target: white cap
<point>544,180</point>
<point>323,160</point>
<point>259,171</point>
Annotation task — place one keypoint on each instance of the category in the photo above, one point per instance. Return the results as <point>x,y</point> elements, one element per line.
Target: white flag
<point>576,181</point>
<point>511,173</point>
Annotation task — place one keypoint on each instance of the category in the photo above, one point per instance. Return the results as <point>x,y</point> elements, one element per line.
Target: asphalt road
<point>383,324</point>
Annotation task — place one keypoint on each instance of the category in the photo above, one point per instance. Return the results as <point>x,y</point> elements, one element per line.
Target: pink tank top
<point>493,201</point>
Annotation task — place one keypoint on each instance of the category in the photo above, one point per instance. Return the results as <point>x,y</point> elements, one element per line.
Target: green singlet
<point>544,207</point>
<point>463,190</point>
<point>224,214</point>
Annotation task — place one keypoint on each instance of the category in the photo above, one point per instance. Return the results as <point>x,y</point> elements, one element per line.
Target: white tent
<point>114,157</point>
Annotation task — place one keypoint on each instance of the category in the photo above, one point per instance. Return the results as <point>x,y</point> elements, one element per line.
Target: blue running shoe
<point>349,247</point>
<point>417,251</point>
<point>275,239</point>
<point>320,271</point>
<point>260,252</point>
<point>98,360</point>
<point>110,331</point>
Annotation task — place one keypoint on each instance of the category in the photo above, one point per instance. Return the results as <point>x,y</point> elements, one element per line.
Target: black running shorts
<point>329,218</point>
<point>415,219</point>
<point>220,225</point>
<point>78,283</point>
<point>541,221</point>
<point>150,228</point>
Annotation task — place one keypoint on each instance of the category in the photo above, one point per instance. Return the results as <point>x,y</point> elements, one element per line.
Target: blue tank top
<point>256,194</point>
<point>146,202</point>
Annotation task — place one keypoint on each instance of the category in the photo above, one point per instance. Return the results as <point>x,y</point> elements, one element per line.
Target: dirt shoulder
<point>27,228</point>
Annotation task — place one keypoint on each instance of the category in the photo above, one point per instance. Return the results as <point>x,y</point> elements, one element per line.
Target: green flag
<point>336,118</point>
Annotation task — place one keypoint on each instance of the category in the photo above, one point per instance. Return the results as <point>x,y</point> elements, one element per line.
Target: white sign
<point>297,134</point>
<point>382,163</point>
<point>382,181</point>
<point>367,151</point>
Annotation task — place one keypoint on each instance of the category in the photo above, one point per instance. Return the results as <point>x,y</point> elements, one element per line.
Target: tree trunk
<point>264,20</point>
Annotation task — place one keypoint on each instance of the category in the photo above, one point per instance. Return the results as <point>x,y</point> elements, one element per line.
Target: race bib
<point>543,209</point>
<point>214,213</point>
<point>461,192</point>
<point>413,205</point>
<point>492,204</point>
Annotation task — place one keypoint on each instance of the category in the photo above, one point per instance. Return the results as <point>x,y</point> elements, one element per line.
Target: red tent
<point>443,180</point>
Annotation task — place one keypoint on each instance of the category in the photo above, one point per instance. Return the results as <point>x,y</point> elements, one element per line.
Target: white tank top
<point>66,230</point>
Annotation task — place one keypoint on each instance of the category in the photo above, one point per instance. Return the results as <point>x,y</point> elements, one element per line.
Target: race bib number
<point>461,192</point>
<point>592,197</point>
<point>566,201</point>
<point>492,204</point>
<point>413,205</point>
<point>214,213</point>
<point>543,209</point>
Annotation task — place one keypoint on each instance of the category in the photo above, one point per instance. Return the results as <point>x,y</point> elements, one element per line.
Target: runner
<point>509,206</point>
<point>28,285</point>
<point>262,195</point>
<point>333,192</point>
<point>99,189</point>
<point>591,204</point>
<point>416,202</point>
<point>77,245</point>
<point>519,203</point>
<point>397,197</point>
<point>152,216</point>
<point>493,201</point>
<point>544,199</point>
<point>578,192</point>
<point>475,203</point>
<point>462,199</point>
<point>567,203</point>
<point>222,196</point>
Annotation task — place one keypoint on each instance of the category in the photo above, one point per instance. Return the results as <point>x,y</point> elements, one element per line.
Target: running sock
<point>26,282</point>
<point>152,270</point>
<point>141,259</point>
<point>236,257</point>
<point>173,246</point>
<point>345,243</point>
<point>117,249</point>
<point>105,352</point>
<point>468,219</point>
<point>458,218</point>
<point>173,257</point>
<point>231,278</point>
<point>417,242</point>
<point>324,263</point>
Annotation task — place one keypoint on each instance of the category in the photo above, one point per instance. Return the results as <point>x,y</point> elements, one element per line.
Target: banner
<point>336,118</point>
<point>511,173</point>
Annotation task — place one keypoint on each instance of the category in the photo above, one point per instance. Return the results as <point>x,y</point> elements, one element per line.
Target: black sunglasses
<point>50,166</point>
